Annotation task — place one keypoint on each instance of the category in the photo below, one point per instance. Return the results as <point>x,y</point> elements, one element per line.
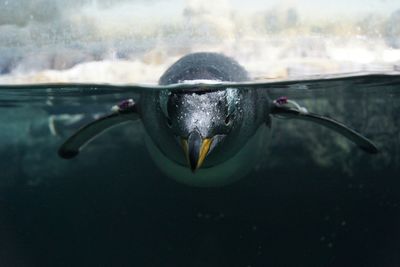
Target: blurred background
<point>121,41</point>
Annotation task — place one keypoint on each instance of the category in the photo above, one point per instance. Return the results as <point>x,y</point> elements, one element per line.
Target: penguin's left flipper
<point>83,136</point>
<point>361,141</point>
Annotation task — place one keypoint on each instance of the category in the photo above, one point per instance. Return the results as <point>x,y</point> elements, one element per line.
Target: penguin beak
<point>196,149</point>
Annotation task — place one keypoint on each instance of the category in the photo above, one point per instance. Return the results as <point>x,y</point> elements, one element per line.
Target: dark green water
<point>314,199</point>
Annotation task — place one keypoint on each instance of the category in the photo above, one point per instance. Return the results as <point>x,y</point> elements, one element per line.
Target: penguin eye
<point>229,119</point>
<point>169,122</point>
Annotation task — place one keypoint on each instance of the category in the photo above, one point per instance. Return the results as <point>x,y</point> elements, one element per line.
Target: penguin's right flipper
<point>361,141</point>
<point>71,147</point>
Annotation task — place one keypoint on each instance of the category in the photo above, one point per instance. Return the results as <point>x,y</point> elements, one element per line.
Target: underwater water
<point>313,199</point>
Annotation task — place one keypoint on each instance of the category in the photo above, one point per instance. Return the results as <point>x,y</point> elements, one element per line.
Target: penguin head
<point>201,121</point>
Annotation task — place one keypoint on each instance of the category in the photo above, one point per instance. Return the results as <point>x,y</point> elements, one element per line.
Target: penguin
<point>204,136</point>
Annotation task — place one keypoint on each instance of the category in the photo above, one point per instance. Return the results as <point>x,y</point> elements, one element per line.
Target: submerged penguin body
<point>202,136</point>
